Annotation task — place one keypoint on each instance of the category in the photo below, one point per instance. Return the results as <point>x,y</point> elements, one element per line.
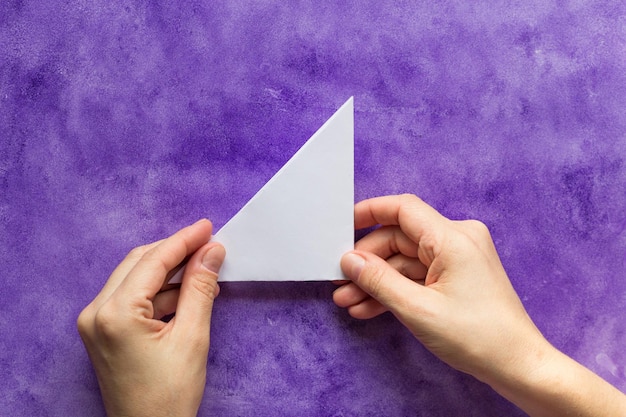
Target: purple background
<point>121,123</point>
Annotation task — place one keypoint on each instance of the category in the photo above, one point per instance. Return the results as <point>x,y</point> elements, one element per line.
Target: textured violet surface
<point>121,122</point>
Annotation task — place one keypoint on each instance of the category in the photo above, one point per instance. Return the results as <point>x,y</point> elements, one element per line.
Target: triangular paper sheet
<point>297,227</point>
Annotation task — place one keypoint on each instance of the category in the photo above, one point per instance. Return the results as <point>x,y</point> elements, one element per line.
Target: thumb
<point>198,290</point>
<point>377,278</point>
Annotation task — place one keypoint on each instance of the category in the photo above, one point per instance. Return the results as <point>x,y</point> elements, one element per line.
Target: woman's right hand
<point>444,281</point>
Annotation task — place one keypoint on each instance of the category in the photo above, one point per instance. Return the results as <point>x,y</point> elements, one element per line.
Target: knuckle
<point>373,280</point>
<point>206,284</point>
<point>138,252</point>
<point>107,322</point>
<point>84,321</point>
<point>407,207</point>
<point>408,198</point>
<point>476,235</point>
<point>479,228</point>
<point>157,254</point>
<point>411,207</point>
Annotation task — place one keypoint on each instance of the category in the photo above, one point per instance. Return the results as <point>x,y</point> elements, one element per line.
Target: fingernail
<point>211,259</point>
<point>355,265</point>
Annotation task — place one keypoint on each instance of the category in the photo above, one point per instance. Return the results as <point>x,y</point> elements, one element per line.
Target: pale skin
<point>146,367</point>
<point>442,279</point>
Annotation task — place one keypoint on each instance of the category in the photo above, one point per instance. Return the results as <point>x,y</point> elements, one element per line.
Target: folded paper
<point>297,227</point>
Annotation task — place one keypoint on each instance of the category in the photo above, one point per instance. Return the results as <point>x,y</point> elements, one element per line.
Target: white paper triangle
<point>297,227</point>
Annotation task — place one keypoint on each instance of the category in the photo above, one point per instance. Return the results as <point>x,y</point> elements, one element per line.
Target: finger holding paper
<point>297,227</point>
<point>146,366</point>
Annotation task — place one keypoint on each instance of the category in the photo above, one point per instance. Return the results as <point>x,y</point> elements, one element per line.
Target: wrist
<point>546,382</point>
<point>522,358</point>
<point>149,402</point>
<point>534,366</point>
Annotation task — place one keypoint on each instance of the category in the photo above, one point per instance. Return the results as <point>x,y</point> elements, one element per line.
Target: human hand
<point>145,366</point>
<point>444,281</point>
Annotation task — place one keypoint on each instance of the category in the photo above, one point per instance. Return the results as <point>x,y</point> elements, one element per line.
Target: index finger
<point>147,276</point>
<point>393,210</point>
<point>418,221</point>
<point>120,273</point>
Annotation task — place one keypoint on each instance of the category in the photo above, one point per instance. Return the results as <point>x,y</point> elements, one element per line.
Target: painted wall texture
<point>121,122</point>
